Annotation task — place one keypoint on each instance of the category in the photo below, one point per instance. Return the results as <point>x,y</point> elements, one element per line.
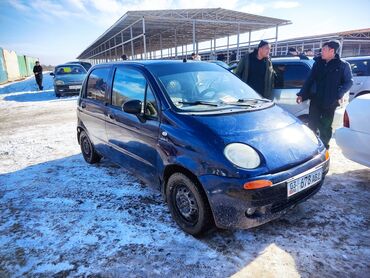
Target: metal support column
<point>237,43</point>
<point>123,46</point>
<point>132,45</point>
<point>194,50</point>
<point>276,39</point>
<point>160,44</point>
<point>144,39</point>
<point>175,43</point>
<point>341,47</point>
<point>227,51</point>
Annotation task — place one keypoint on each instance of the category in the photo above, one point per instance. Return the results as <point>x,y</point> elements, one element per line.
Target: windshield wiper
<point>253,100</point>
<point>199,102</point>
<point>249,102</point>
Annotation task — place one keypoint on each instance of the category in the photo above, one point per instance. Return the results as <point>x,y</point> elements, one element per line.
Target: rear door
<point>361,76</point>
<point>132,138</point>
<point>92,108</point>
<point>290,77</point>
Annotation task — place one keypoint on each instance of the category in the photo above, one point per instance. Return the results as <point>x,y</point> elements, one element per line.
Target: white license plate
<point>304,182</point>
<point>75,87</point>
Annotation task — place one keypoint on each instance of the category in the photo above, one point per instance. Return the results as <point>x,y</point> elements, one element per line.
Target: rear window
<point>360,67</point>
<point>290,76</point>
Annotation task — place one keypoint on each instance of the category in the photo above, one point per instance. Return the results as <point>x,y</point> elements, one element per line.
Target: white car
<point>361,76</point>
<point>354,137</point>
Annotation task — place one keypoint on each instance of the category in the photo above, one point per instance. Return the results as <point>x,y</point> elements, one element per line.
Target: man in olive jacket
<point>331,78</point>
<point>256,70</point>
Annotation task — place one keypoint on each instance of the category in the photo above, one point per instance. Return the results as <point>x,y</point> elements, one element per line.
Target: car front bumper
<point>235,207</point>
<point>67,89</point>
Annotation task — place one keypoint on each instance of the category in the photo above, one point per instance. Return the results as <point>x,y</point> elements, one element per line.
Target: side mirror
<point>52,74</point>
<point>132,107</point>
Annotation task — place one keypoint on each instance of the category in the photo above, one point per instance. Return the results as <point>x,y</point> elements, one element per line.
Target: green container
<point>22,66</point>
<point>30,63</point>
<point>3,73</point>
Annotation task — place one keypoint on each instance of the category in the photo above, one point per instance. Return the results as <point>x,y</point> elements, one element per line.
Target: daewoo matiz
<point>220,154</point>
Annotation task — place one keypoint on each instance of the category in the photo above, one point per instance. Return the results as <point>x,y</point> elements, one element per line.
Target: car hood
<point>73,78</point>
<point>278,136</point>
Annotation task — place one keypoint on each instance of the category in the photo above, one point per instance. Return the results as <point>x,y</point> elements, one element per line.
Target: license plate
<point>304,182</point>
<point>75,87</point>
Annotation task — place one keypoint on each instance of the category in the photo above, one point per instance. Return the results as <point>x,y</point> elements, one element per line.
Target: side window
<point>150,104</point>
<point>360,67</point>
<point>97,84</point>
<point>130,84</point>
<point>290,76</point>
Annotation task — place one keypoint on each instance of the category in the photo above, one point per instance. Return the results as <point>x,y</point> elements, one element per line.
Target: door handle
<point>83,105</point>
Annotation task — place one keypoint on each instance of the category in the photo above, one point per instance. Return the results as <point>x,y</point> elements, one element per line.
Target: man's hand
<point>299,99</point>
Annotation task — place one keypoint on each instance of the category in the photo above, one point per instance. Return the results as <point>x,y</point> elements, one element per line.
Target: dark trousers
<point>39,81</point>
<point>321,119</point>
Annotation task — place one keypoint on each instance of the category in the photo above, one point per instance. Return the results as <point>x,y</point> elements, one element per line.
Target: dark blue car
<point>68,79</point>
<point>220,154</point>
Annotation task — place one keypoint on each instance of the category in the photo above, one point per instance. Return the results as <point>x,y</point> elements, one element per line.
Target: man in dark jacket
<point>37,70</point>
<point>330,78</point>
<point>256,70</point>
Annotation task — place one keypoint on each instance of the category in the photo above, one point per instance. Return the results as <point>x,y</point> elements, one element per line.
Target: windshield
<point>205,88</point>
<point>75,69</point>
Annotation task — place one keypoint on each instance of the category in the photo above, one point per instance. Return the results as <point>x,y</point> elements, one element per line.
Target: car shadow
<point>101,215</point>
<point>45,95</point>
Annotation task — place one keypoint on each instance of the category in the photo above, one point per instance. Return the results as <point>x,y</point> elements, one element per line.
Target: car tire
<point>188,205</point>
<point>88,150</point>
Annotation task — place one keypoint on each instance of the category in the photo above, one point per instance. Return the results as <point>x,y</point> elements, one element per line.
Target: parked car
<point>68,79</point>
<point>86,65</point>
<point>291,73</point>
<point>361,76</point>
<point>219,153</point>
<point>354,137</point>
<point>223,64</point>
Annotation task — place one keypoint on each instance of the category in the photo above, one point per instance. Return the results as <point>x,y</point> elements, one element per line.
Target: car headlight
<point>59,82</point>
<point>310,134</point>
<point>242,155</point>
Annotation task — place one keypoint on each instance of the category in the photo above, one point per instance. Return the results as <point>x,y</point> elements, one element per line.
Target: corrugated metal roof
<point>176,28</point>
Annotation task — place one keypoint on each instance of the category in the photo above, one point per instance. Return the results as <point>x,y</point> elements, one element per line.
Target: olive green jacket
<point>242,73</point>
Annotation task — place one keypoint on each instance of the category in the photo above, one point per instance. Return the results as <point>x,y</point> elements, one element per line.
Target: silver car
<point>291,73</point>
<point>361,76</point>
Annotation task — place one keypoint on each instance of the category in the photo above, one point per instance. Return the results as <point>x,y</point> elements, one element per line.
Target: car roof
<point>155,63</point>
<point>357,58</point>
<point>292,60</point>
<point>69,64</point>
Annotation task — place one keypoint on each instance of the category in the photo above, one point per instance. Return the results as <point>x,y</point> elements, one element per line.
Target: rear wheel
<point>188,205</point>
<point>88,150</point>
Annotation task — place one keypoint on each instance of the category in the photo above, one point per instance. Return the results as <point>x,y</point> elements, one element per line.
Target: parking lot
<point>61,217</point>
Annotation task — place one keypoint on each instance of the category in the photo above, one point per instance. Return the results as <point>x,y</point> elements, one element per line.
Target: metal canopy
<point>142,32</point>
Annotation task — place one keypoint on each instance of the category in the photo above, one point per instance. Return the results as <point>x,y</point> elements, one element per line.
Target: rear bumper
<point>354,145</point>
<point>230,202</point>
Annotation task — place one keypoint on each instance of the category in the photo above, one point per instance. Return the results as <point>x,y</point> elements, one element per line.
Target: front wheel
<point>88,150</point>
<point>188,206</point>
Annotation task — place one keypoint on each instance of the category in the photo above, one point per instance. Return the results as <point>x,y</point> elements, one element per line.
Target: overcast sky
<point>57,31</point>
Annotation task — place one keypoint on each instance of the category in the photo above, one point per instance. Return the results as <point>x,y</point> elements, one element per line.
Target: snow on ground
<point>61,217</point>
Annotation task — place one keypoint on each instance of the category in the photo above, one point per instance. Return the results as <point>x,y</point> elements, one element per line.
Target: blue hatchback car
<point>68,79</point>
<point>220,154</point>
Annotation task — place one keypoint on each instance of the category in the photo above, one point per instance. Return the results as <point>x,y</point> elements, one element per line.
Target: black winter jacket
<point>327,82</point>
